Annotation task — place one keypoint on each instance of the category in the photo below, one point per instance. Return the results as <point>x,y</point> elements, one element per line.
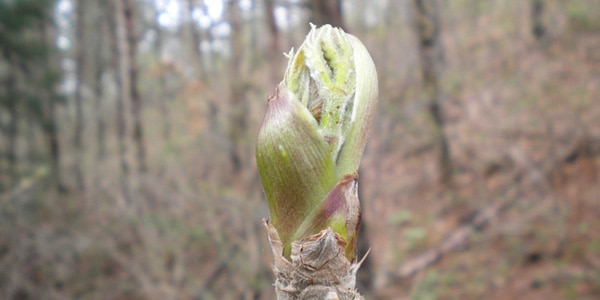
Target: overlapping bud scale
<point>313,136</point>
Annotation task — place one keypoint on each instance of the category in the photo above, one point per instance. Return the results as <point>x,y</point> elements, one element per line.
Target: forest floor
<point>538,161</point>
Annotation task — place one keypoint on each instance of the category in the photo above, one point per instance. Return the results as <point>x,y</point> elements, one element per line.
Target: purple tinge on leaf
<point>340,210</point>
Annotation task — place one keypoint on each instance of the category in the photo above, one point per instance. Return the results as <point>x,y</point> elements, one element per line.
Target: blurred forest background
<point>127,132</point>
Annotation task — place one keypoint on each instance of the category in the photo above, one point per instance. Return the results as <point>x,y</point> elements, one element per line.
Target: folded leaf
<point>340,210</point>
<point>294,164</point>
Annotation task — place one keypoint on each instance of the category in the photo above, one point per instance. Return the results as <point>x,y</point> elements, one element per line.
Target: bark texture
<point>318,268</point>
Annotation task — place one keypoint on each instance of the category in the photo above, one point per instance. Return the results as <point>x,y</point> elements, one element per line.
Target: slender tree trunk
<point>136,99</point>
<point>162,98</point>
<point>51,133</point>
<point>12,131</point>
<point>99,95</point>
<point>2,152</point>
<point>79,117</point>
<point>427,26</point>
<point>209,64</point>
<point>327,12</point>
<point>30,137</point>
<point>49,123</point>
<point>272,25</point>
<point>238,105</point>
<point>213,67</point>
<point>537,25</point>
<point>194,32</point>
<point>117,54</point>
<point>256,48</point>
<point>99,70</point>
<point>275,39</point>
<point>205,65</point>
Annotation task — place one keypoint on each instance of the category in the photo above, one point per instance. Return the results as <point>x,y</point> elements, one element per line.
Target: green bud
<point>293,161</point>
<point>313,136</point>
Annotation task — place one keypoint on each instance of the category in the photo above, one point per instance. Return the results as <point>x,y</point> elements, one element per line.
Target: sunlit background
<point>127,131</point>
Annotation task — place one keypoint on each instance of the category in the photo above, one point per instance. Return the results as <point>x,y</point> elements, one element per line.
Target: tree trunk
<point>51,133</point>
<point>272,25</point>
<point>207,67</point>
<point>115,22</point>
<point>99,70</point>
<point>162,97</point>
<point>537,25</point>
<point>136,99</point>
<point>195,34</point>
<point>274,31</point>
<point>238,105</point>
<point>255,46</point>
<point>327,12</point>
<point>31,152</point>
<point>12,131</point>
<point>49,123</point>
<point>98,97</point>
<point>79,117</point>
<point>3,154</point>
<point>427,26</point>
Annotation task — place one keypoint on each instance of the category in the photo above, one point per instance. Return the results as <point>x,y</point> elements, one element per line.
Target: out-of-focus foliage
<point>520,113</point>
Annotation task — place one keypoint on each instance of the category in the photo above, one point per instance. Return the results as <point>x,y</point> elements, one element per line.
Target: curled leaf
<point>293,162</point>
